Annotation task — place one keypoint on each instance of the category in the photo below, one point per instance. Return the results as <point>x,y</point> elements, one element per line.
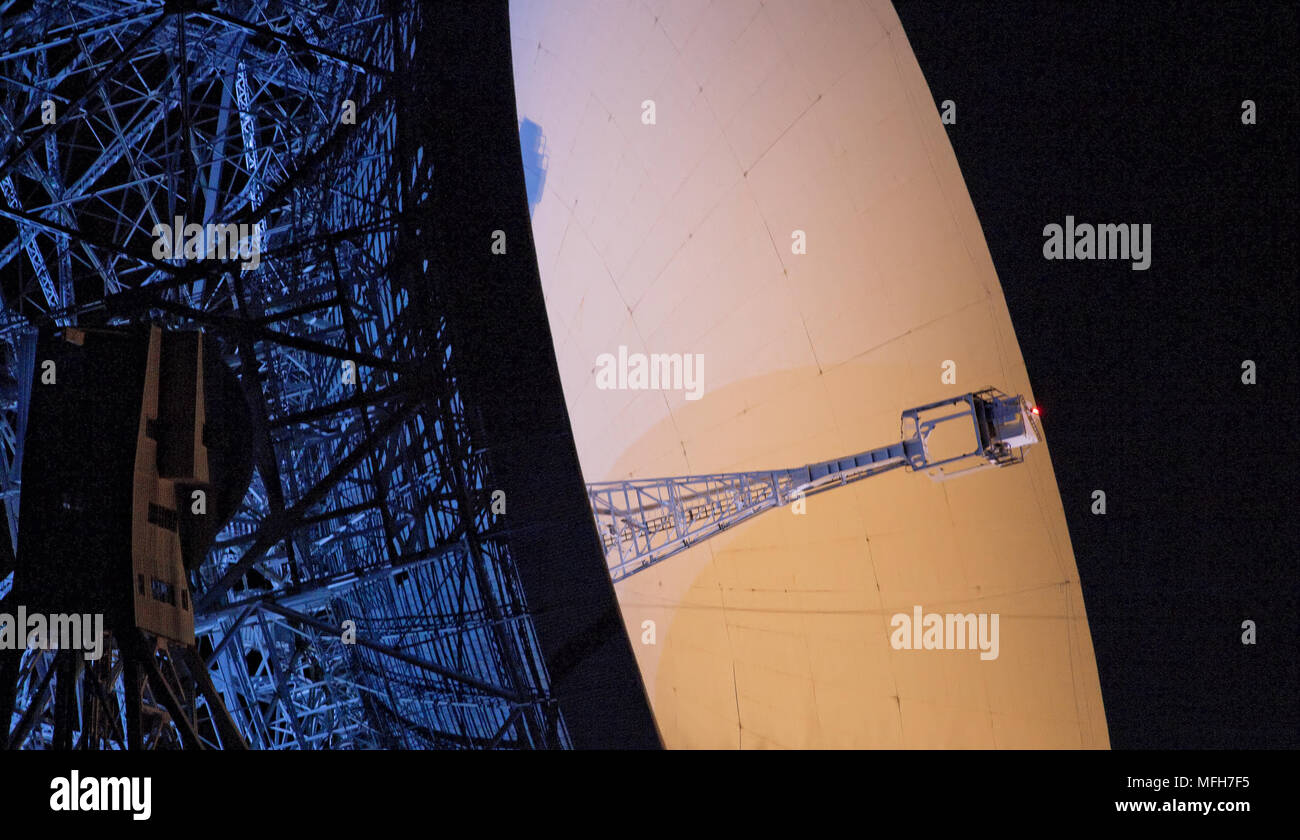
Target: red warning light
<point>1035,410</point>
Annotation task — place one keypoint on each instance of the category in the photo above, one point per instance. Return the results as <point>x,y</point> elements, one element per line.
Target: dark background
<point>1131,113</point>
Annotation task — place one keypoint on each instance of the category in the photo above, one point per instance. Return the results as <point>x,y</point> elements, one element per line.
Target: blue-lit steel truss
<point>370,502</point>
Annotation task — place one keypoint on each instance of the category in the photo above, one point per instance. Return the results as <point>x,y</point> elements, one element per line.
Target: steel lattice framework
<point>370,503</point>
<point>643,521</point>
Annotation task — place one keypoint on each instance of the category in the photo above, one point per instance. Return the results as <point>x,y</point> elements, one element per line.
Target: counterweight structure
<point>364,594</point>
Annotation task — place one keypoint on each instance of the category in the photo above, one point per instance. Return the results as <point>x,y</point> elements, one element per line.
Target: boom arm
<point>644,521</point>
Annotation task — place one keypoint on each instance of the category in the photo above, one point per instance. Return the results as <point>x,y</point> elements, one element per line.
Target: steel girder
<point>645,521</point>
<point>362,595</point>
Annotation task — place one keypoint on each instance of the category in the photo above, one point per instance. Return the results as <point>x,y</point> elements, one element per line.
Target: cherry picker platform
<point>647,520</point>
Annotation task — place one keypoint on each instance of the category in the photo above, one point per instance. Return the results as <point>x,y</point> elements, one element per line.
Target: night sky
<point>1131,113</point>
